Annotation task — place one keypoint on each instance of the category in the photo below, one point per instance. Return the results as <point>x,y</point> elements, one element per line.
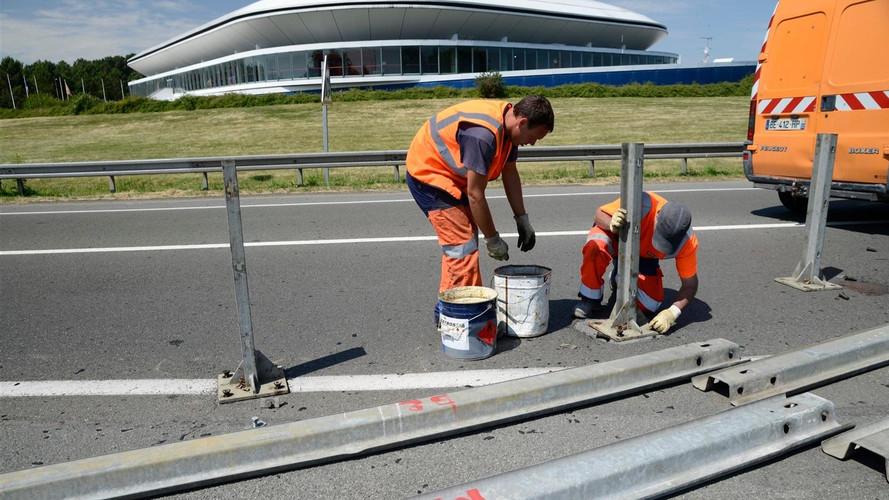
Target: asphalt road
<point>95,295</point>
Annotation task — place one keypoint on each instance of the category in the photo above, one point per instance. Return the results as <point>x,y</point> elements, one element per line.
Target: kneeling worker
<point>449,164</point>
<point>665,233</point>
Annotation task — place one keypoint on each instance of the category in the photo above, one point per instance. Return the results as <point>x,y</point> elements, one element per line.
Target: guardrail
<point>394,158</point>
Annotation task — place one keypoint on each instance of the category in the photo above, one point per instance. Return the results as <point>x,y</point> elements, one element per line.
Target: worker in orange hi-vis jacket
<point>449,164</point>
<point>665,233</point>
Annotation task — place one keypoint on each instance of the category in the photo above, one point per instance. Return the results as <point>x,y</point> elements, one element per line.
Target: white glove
<point>618,220</point>
<point>497,248</point>
<point>526,233</point>
<point>665,319</point>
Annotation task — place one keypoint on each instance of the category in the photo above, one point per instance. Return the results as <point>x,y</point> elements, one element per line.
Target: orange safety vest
<point>434,155</point>
<point>686,257</point>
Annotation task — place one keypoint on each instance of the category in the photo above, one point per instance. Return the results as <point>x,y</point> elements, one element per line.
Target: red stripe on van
<point>852,101</point>
<point>881,98</point>
<point>770,106</point>
<point>791,106</point>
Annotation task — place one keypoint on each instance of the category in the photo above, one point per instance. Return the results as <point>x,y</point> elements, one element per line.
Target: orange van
<point>823,68</point>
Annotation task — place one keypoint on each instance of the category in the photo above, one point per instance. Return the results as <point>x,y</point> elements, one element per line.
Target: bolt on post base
<point>808,285</point>
<point>231,387</point>
<point>612,330</point>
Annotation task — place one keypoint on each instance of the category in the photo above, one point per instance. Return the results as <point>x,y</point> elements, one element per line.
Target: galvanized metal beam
<point>343,159</point>
<point>669,460</point>
<point>256,376</point>
<point>808,276</point>
<point>802,369</point>
<point>873,437</point>
<point>214,459</point>
<point>626,321</point>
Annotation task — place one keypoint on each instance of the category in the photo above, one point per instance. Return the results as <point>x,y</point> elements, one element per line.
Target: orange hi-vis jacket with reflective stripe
<point>434,155</point>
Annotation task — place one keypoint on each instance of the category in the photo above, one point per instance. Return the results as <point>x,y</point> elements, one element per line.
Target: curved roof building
<point>278,45</point>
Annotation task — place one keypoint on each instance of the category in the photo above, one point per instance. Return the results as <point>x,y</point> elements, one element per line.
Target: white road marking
<point>221,205</point>
<point>335,383</point>
<point>395,239</point>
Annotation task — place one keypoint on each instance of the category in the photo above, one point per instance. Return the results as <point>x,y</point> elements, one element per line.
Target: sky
<point>67,30</point>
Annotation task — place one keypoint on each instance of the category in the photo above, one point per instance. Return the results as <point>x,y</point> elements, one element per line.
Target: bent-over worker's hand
<point>497,248</point>
<point>665,319</point>
<point>618,220</point>
<point>526,233</point>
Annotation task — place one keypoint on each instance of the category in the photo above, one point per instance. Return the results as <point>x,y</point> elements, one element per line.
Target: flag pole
<point>10,90</point>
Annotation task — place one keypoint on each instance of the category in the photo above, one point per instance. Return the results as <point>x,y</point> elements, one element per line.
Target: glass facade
<point>439,59</point>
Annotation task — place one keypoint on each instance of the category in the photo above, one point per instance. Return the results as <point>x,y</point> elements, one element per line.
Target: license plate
<point>786,124</point>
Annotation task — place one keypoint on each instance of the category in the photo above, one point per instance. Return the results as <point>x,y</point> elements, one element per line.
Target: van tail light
<point>751,120</point>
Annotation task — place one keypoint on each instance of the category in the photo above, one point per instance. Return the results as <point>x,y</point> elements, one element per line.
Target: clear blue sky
<point>66,30</point>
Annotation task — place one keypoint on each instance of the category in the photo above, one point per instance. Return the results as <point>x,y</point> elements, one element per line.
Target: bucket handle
<point>470,319</point>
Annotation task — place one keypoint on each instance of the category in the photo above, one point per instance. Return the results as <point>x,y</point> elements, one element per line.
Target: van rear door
<point>855,92</point>
<point>786,114</point>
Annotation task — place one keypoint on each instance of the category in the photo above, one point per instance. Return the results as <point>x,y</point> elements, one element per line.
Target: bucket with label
<point>522,299</point>
<point>467,322</point>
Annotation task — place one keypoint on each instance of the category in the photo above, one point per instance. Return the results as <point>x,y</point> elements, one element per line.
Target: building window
<point>352,61</point>
<point>410,60</point>
<point>464,59</point>
<point>429,58</point>
<point>448,60</point>
<point>370,61</point>
<point>391,60</point>
<point>518,59</point>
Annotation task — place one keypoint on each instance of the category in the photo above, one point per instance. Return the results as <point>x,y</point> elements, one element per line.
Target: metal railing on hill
<point>301,161</point>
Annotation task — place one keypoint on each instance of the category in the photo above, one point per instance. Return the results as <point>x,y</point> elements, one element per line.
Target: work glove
<point>618,220</point>
<point>526,233</point>
<point>497,248</point>
<point>665,319</point>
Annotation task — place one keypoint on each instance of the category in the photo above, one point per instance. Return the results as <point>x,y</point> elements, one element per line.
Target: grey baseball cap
<point>671,226</point>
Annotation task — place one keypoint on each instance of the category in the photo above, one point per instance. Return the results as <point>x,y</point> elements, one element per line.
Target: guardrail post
<point>205,183</point>
<point>683,166</point>
<point>627,321</point>
<point>299,177</point>
<point>397,177</point>
<point>808,276</point>
<point>112,184</point>
<point>256,376</point>
<point>592,168</point>
<point>20,185</point>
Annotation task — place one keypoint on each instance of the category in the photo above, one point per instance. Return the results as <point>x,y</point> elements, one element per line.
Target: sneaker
<point>586,307</point>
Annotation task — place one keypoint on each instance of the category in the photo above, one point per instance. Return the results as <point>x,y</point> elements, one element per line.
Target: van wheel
<point>796,204</point>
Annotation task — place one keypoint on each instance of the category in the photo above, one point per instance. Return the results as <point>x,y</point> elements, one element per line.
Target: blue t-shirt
<point>478,147</point>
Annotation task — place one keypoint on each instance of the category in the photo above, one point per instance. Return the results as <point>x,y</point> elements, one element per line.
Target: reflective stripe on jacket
<point>434,155</point>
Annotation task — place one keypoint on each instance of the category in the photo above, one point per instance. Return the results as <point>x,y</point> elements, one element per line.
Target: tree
<point>11,69</point>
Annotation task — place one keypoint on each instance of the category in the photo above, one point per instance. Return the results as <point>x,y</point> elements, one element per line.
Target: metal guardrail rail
<point>392,158</point>
<point>216,459</point>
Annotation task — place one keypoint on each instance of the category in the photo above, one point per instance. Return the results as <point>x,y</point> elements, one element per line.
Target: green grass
<point>352,126</point>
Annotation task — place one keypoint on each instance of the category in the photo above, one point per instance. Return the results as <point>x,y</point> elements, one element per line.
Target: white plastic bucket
<point>522,299</point>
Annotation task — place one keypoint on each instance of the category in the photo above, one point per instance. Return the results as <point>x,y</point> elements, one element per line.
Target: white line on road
<point>335,383</point>
<point>396,239</point>
<point>221,206</point>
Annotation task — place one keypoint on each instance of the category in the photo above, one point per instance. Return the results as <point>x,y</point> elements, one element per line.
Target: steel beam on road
<point>626,321</point>
<point>215,459</point>
<point>669,460</point>
<point>873,437</point>
<point>256,376</point>
<point>808,276</point>
<point>802,369</point>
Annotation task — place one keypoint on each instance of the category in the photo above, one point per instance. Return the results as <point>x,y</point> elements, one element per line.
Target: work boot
<point>586,307</point>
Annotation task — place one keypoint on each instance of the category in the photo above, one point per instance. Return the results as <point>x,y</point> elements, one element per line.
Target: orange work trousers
<point>457,234</point>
